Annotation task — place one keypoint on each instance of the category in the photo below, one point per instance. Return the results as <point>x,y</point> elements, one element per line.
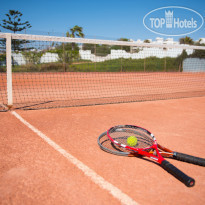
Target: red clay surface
<point>32,172</point>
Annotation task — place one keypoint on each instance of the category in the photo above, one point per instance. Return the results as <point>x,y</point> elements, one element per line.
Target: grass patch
<point>151,64</point>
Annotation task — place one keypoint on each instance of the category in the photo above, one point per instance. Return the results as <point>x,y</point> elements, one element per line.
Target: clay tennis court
<point>51,156</point>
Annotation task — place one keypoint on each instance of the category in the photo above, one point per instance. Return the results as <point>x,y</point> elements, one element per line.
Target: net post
<point>9,70</point>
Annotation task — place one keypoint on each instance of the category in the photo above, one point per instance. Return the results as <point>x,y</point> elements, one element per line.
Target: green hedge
<point>151,64</point>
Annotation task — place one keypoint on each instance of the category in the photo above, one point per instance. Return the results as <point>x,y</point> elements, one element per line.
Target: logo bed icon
<point>169,18</point>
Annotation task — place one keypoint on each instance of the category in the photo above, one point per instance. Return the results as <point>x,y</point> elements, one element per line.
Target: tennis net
<point>46,71</point>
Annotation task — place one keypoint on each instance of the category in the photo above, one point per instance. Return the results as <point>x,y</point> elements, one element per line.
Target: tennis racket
<point>146,146</point>
<point>106,145</point>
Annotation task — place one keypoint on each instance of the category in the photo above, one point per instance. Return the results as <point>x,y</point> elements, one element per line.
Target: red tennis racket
<point>146,146</point>
<point>106,145</point>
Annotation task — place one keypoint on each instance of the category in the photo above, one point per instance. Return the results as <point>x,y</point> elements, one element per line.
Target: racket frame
<point>188,181</point>
<point>142,151</point>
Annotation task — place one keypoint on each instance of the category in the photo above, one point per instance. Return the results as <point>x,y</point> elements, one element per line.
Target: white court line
<point>97,179</point>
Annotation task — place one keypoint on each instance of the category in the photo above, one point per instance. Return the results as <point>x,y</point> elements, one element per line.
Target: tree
<point>75,31</point>
<point>14,24</point>
<point>198,54</point>
<point>146,41</point>
<point>104,50</point>
<point>179,60</point>
<point>96,49</point>
<point>186,40</point>
<point>126,48</point>
<point>65,52</point>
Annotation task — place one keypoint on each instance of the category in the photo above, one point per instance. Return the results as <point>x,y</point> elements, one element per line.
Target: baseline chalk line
<point>97,179</point>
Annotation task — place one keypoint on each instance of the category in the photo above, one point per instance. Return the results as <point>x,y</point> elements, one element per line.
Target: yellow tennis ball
<point>132,141</point>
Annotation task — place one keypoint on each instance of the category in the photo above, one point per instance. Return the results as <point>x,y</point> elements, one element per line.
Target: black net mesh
<point>52,72</point>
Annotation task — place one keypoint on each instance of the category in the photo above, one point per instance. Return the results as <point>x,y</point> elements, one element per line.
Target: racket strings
<point>143,139</point>
<point>105,142</point>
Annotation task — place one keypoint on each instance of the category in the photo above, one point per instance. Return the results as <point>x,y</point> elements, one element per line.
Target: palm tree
<point>146,41</point>
<point>75,31</point>
<point>186,40</point>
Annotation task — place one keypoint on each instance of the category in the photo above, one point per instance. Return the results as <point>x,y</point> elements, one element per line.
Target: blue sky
<point>108,19</point>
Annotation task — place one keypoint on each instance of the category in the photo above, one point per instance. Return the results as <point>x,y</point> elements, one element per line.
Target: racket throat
<point>156,152</point>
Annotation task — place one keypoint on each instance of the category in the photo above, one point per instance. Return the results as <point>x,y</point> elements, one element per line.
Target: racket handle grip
<point>188,181</point>
<point>189,159</point>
